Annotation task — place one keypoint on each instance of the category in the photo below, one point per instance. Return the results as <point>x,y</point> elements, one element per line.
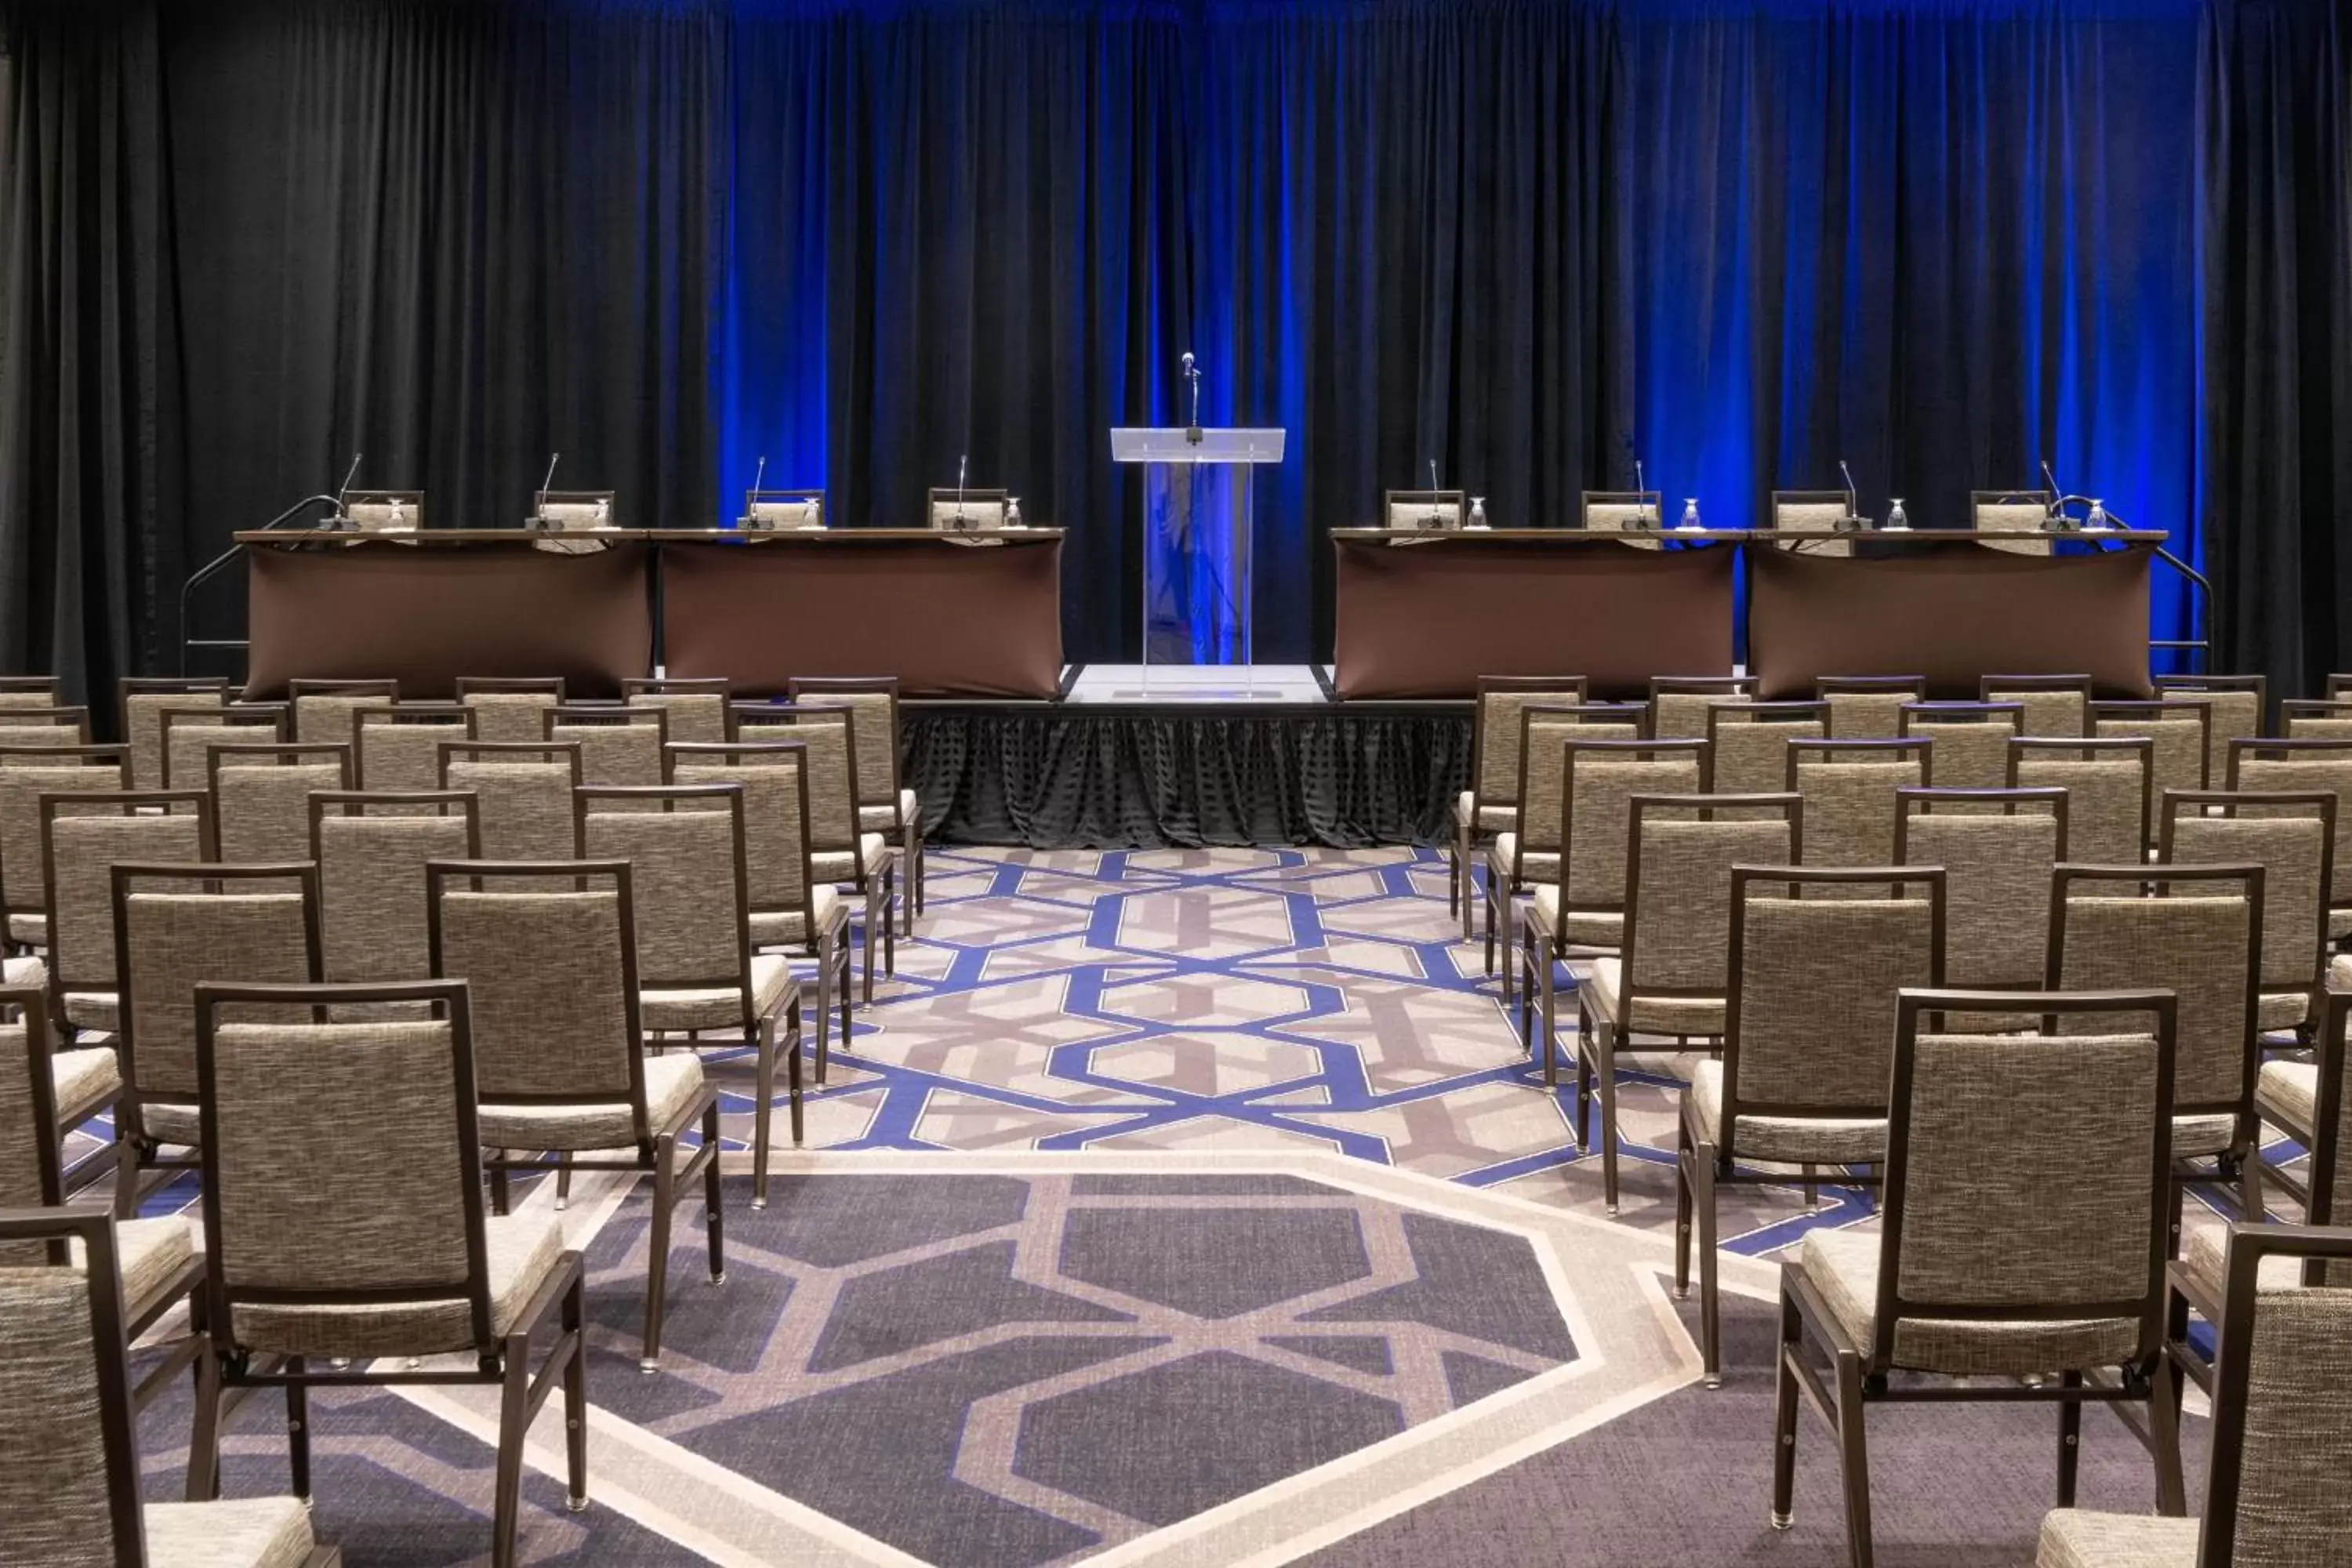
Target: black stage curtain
<point>1068,779</point>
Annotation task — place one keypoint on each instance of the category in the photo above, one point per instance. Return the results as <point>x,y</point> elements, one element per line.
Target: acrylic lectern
<point>1196,539</point>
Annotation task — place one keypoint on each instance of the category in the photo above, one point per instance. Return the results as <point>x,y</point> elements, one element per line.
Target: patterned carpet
<point>1180,1207</point>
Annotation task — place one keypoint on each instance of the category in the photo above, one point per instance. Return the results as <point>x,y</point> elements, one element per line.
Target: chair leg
<point>1468,872</point>
<point>713,1218</point>
<point>298,1427</point>
<point>889,919</point>
<point>761,1111</point>
<point>1490,902</point>
<point>792,1072</point>
<point>2164,1411</point>
<point>823,1000</point>
<point>1813,1185</point>
<point>907,894</point>
<point>501,1196</point>
<point>1605,1037</point>
<point>657,1249</point>
<point>1710,1265</point>
<point>922,867</point>
<point>576,1383</point>
<point>1684,1179</point>
<point>2070,1439</point>
<point>841,956</point>
<point>126,1176</point>
<point>873,895</point>
<point>1854,1447</point>
<point>1784,1414</point>
<point>204,1435</point>
<point>1583,1074</point>
<point>2249,1188</point>
<point>514,1424</point>
<point>563,1181</point>
<point>1549,990</point>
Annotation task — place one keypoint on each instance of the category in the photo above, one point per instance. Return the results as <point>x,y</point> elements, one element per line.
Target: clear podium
<point>1196,539</point>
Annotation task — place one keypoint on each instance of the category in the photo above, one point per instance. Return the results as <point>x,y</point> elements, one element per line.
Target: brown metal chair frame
<point>911,841</point>
<point>1468,835</point>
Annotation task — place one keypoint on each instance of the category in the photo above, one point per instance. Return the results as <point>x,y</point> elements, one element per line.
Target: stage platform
<point>1133,757</point>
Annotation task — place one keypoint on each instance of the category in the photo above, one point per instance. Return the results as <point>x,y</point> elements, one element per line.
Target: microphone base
<point>1193,435</point>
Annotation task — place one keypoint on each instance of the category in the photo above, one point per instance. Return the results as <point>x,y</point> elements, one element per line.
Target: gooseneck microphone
<point>1192,375</point>
<point>539,506</point>
<point>1641,512</point>
<point>2056,517</point>
<point>1853,504</point>
<point>342,515</point>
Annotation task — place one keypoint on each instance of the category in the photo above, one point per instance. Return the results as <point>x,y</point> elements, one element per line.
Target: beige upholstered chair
<point>1423,512</point>
<point>963,509</point>
<point>384,511</point>
<point>51,728</point>
<point>2107,791</point>
<point>2200,938</point>
<point>330,1237</point>
<point>885,804</point>
<point>1811,510</point>
<point>2240,705</point>
<point>2303,767</point>
<point>1491,804</point>
<point>1679,704</point>
<point>2011,511</point>
<point>2338,688</point>
<point>1997,849</point>
<point>1622,512</point>
<point>1972,742</point>
<point>842,853</point>
<point>323,709</point>
<point>789,908</point>
<point>186,734</point>
<point>1849,789</point>
<point>373,849</point>
<point>791,510</point>
<point>2306,1100</point>
<point>2312,721</point>
<point>620,747</point>
<point>1582,906</point>
<point>696,971</point>
<point>697,709</point>
<point>2279,1384</point>
<point>2023,1237</point>
<point>399,745</point>
<point>46,1094</point>
<point>523,796</point>
<point>26,774</point>
<point>2177,750</point>
<point>1807,1026</point>
<point>560,1062</point>
<point>1527,853</point>
<point>511,708</point>
<point>261,797</point>
<point>158,1258</point>
<point>176,926</point>
<point>2292,837</point>
<point>30,691</point>
<point>1674,977</point>
<point>2055,705</point>
<point>140,704</point>
<point>1869,707</point>
<point>83,837</point>
<point>1749,743</point>
<point>69,1470</point>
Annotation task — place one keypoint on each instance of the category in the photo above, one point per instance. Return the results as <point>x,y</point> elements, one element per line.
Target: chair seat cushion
<point>885,818</point>
<point>2287,1092</point>
<point>1795,1140</point>
<point>790,928</point>
<point>2339,926</point>
<point>2281,1010</point>
<point>1540,864</point>
<point>1491,818</point>
<point>672,1084</point>
<point>2339,970</point>
<point>83,1078</point>
<point>2193,1136</point>
<point>523,1250</point>
<point>243,1533</point>
<point>95,1010</point>
<point>835,866</point>
<point>1605,986</point>
<point>33,931</point>
<point>150,1253</point>
<point>25,971</point>
<point>721,1008</point>
<point>168,1123</point>
<point>2076,1538</point>
<point>1843,1267</point>
<point>1586,927</point>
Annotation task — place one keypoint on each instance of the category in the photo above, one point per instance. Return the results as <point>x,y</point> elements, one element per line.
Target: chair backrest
<point>32,1173</point>
<point>2055,704</point>
<point>1598,779</point>
<point>31,692</point>
<point>1971,741</point>
<point>1681,852</point>
<point>1414,511</point>
<point>2198,938</point>
<point>1849,792</point>
<point>187,734</point>
<point>1619,511</point>
<point>691,883</point>
<point>1998,848</point>
<point>25,775</point>
<point>373,849</point>
<point>2292,838</point>
<point>2316,720</point>
<point>2107,794</point>
<point>83,839</point>
<point>773,776</point>
<point>323,709</point>
<point>620,747</point>
<point>1543,767</point>
<point>1497,729</point>
<point>2176,730</point>
<point>1809,1012</point>
<point>177,926</point>
<point>2274,1495</point>
<point>1869,707</point>
<point>873,704</point>
<point>44,727</point>
<point>141,702</point>
<point>2018,1194</point>
<point>574,512</point>
<point>2303,766</point>
<point>1749,743</point>
<point>2330,1172</point>
<point>69,1450</point>
<point>343,1160</point>
<point>2011,511</point>
<point>261,797</point>
<point>765,511</point>
<point>400,745</point>
<point>2240,705</point>
<point>828,732</point>
<point>551,962</point>
<point>384,511</point>
<point>968,508</point>
<point>1679,703</point>
<point>524,794</point>
<point>511,708</point>
<point>697,709</point>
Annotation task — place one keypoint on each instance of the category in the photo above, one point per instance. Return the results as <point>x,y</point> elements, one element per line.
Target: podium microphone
<point>342,516</point>
<point>1852,502</point>
<point>1642,514</point>
<point>963,464</point>
<point>2055,522</point>
<point>1192,374</point>
<point>1436,516</point>
<point>539,506</point>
